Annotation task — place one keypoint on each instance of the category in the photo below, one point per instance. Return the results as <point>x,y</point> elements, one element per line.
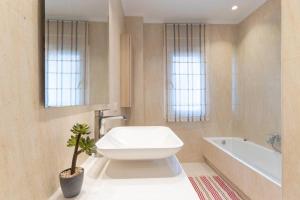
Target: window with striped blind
<point>65,63</point>
<point>186,72</point>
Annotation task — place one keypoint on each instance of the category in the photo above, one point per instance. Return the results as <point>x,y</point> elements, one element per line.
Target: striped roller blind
<point>186,72</point>
<point>65,62</point>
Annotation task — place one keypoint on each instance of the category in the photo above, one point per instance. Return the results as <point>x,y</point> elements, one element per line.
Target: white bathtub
<point>253,168</point>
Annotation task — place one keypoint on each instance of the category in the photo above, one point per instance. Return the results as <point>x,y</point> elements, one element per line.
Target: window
<point>186,72</point>
<point>65,57</point>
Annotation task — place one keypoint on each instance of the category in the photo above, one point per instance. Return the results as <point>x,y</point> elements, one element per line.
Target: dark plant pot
<point>71,186</point>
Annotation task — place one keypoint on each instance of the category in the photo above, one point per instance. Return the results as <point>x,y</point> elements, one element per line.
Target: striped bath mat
<point>213,188</point>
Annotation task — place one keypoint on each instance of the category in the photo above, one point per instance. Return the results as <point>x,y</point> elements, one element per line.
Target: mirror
<point>76,52</point>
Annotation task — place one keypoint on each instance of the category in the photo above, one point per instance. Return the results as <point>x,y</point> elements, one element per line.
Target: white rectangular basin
<point>139,143</point>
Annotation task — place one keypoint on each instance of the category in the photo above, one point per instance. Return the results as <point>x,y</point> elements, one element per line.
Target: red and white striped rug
<point>213,188</point>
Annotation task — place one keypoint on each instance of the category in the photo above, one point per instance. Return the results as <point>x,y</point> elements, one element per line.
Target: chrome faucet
<point>101,129</point>
<point>274,140</point>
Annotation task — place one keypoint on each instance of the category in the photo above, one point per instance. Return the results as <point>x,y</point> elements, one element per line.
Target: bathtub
<point>254,169</point>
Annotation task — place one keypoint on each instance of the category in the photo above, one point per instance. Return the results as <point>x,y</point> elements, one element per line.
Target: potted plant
<point>71,179</point>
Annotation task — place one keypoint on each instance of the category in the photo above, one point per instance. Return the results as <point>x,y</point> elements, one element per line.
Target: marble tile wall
<point>98,63</point>
<point>32,138</point>
<point>291,98</point>
<point>258,74</point>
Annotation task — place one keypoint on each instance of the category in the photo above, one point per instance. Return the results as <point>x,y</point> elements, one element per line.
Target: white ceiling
<point>90,10</point>
<point>186,11</point>
<point>189,11</point>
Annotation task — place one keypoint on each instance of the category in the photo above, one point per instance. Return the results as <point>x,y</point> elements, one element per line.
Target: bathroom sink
<point>139,143</point>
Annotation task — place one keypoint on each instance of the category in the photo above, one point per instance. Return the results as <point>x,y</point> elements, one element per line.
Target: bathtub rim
<point>210,140</point>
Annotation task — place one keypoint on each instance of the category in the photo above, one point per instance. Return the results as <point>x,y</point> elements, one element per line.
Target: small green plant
<point>81,141</point>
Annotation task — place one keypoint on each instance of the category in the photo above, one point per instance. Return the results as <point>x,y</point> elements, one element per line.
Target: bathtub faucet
<point>275,141</point>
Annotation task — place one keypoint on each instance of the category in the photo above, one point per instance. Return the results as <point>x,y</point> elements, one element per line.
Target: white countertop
<point>134,180</point>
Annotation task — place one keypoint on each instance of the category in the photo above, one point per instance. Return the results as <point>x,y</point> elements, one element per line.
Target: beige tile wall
<point>98,62</point>
<point>291,98</point>
<point>33,139</point>
<point>258,109</point>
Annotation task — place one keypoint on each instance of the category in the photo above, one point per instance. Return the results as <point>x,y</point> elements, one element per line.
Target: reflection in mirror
<point>76,52</point>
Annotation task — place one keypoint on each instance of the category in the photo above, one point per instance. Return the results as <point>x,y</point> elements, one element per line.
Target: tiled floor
<point>197,169</point>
